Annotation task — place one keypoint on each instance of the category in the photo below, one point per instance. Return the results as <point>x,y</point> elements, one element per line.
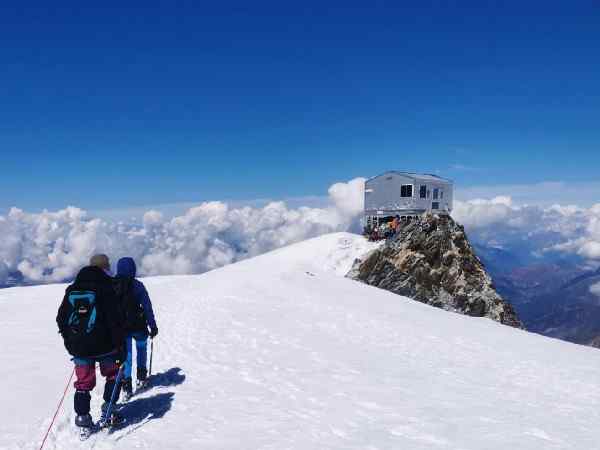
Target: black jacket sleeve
<point>61,317</point>
<point>114,316</point>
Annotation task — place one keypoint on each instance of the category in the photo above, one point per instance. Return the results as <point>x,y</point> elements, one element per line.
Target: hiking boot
<point>128,387</point>
<point>115,418</point>
<point>142,374</point>
<point>141,385</point>
<point>84,421</point>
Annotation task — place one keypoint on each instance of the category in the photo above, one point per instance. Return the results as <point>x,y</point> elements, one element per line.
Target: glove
<point>153,332</point>
<point>121,355</point>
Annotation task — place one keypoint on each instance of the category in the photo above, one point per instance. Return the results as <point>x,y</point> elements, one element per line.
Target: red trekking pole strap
<point>58,409</point>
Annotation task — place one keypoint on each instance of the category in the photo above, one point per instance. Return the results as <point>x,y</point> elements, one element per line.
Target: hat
<point>100,260</point>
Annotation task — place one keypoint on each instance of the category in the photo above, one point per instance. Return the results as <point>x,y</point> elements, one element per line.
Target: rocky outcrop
<point>431,261</point>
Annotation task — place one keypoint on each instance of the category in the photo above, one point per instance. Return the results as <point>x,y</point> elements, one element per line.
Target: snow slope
<point>281,352</point>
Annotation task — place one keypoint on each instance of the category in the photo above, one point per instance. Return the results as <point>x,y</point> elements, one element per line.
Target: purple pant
<point>85,371</point>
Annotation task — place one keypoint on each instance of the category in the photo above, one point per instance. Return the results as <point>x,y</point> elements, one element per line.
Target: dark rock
<point>432,261</point>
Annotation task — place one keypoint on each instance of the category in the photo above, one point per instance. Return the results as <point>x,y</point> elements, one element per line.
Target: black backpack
<point>81,323</point>
<point>132,310</point>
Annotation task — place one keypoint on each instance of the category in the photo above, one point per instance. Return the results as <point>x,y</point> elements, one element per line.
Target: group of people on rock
<point>99,318</point>
<point>384,230</point>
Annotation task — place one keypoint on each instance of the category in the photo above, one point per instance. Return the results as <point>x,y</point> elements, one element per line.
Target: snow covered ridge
<point>280,351</point>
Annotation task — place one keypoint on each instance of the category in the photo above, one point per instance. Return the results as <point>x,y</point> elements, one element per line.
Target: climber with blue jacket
<point>139,320</point>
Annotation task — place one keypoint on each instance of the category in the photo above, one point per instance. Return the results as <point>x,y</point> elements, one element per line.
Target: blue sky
<point>119,106</point>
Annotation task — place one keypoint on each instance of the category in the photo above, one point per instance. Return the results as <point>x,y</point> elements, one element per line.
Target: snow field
<point>281,352</point>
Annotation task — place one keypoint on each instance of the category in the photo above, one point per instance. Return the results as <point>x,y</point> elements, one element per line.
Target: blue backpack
<point>82,316</point>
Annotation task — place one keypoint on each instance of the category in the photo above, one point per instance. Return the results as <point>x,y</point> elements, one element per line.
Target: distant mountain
<point>497,259</point>
<point>15,279</point>
<point>571,312</point>
<point>527,284</point>
<point>551,295</point>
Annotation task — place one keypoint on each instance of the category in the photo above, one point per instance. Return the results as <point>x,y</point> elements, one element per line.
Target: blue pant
<point>141,341</point>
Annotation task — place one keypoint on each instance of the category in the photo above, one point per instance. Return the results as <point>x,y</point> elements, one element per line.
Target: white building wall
<point>383,194</point>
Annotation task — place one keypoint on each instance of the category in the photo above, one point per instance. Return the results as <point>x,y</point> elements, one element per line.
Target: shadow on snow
<point>139,411</point>
<point>172,377</point>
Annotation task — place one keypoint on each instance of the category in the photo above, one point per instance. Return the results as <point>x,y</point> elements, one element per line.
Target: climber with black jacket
<point>92,326</point>
<point>139,321</point>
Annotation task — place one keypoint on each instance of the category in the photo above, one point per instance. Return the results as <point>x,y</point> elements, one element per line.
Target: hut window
<point>436,193</point>
<point>406,190</point>
<point>435,205</point>
<point>423,191</point>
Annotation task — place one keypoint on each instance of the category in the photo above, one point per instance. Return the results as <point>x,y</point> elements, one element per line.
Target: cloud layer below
<point>563,229</point>
<point>543,194</point>
<point>52,246</point>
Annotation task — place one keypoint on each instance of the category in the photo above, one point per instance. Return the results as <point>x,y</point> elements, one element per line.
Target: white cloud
<point>348,198</point>
<point>463,167</point>
<point>595,289</point>
<point>152,218</point>
<point>587,243</point>
<point>567,229</point>
<point>542,194</point>
<point>590,249</point>
<point>53,246</point>
<point>481,213</point>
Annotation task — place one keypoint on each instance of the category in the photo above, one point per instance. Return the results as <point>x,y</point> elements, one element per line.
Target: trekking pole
<point>112,397</point>
<point>151,354</point>
<point>57,409</point>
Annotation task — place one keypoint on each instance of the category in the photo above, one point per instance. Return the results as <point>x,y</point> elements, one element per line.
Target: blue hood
<point>126,268</point>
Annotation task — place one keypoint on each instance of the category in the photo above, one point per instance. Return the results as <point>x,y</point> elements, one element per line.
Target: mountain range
<point>552,296</point>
